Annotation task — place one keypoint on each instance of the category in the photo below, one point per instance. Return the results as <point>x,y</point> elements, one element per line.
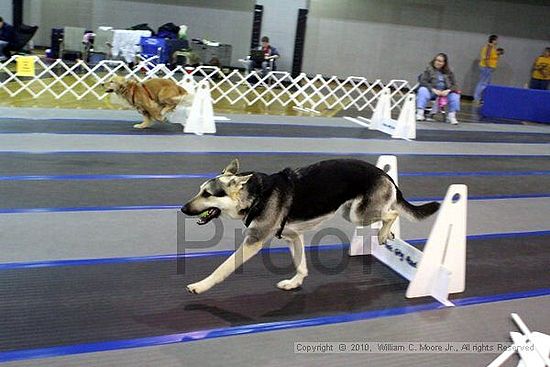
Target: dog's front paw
<point>382,239</point>
<point>199,287</point>
<point>139,126</point>
<point>289,284</point>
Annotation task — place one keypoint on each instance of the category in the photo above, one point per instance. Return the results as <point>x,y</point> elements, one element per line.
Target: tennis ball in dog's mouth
<point>204,214</point>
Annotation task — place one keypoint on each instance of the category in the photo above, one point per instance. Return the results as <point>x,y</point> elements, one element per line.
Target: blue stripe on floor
<point>478,173</point>
<point>339,246</point>
<point>178,206</point>
<point>122,260</point>
<point>67,350</point>
<point>86,209</point>
<point>103,177</point>
<point>107,177</point>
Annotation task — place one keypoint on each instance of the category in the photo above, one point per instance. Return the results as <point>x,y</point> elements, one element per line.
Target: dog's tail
<point>415,212</point>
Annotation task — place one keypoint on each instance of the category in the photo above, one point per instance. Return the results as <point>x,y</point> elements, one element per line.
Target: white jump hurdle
<point>402,128</point>
<point>533,347</point>
<point>201,115</point>
<point>440,269</point>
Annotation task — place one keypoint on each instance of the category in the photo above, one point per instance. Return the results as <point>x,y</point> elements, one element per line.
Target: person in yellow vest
<point>540,77</point>
<point>487,64</point>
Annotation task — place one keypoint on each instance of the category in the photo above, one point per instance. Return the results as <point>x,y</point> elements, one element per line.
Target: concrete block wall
<point>395,39</point>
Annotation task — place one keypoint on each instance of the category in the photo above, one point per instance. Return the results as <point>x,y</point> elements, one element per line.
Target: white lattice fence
<point>310,93</point>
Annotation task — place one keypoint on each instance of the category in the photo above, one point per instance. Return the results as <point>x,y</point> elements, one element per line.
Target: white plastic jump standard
<point>533,347</point>
<point>402,128</point>
<point>381,116</point>
<point>188,83</point>
<point>440,269</point>
<point>201,116</point>
<point>405,128</point>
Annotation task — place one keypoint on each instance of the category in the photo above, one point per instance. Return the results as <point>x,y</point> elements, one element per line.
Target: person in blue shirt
<point>270,55</point>
<point>8,38</point>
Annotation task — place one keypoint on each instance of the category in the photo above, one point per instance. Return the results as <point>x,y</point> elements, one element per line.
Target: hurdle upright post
<point>201,117</point>
<point>382,112</point>
<point>440,269</point>
<point>405,128</point>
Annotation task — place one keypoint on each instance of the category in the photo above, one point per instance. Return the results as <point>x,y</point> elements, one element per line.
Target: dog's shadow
<point>230,317</point>
<point>158,128</point>
<point>327,299</point>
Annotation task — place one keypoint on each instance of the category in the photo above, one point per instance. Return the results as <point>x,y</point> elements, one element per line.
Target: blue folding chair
<point>154,46</point>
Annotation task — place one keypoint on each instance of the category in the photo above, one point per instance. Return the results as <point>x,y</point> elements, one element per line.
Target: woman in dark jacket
<point>438,81</point>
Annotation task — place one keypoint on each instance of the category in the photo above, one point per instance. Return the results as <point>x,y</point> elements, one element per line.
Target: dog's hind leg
<point>387,196</point>
<point>388,218</point>
<point>296,245</point>
<point>360,212</point>
<point>376,205</point>
<point>165,110</point>
<point>158,114</point>
<point>147,122</point>
<point>249,248</point>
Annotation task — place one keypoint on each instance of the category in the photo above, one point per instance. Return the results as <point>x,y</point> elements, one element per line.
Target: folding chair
<point>2,45</point>
<point>154,46</point>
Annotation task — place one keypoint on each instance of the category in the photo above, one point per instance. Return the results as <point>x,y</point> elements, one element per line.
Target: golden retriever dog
<point>153,98</point>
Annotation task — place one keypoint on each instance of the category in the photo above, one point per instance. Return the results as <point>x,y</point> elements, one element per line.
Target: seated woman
<point>438,81</point>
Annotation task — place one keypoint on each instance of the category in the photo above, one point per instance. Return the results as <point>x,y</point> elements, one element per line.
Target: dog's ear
<point>239,181</point>
<point>232,168</point>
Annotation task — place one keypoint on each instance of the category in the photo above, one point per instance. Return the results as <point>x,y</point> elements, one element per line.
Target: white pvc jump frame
<point>440,269</point>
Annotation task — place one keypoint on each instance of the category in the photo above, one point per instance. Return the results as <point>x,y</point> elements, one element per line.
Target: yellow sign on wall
<point>25,66</point>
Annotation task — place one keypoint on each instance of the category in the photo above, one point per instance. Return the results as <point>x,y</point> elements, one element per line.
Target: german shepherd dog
<point>288,203</point>
<point>153,98</point>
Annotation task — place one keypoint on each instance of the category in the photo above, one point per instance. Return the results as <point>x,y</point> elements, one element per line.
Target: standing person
<point>270,55</point>
<point>540,77</point>
<point>488,63</point>
<point>438,81</point>
<point>8,38</point>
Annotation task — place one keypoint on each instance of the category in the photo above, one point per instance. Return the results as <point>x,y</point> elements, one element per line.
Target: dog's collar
<point>257,207</point>
<point>134,86</point>
<point>291,176</point>
<point>251,212</point>
<point>254,210</point>
<point>147,91</point>
<point>133,93</point>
